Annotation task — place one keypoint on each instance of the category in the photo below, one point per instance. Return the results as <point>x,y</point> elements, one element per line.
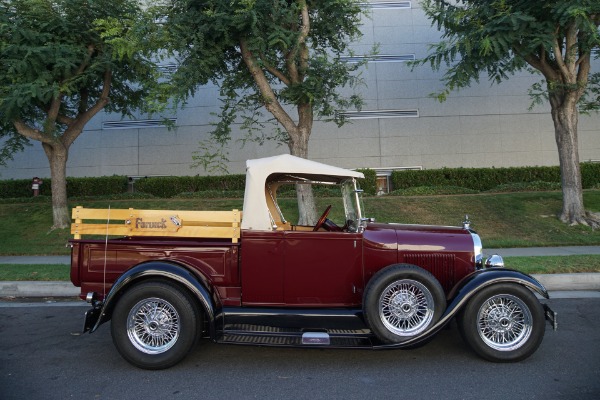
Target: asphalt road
<point>43,356</point>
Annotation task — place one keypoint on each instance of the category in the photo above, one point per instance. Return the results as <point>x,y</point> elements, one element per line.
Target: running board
<point>272,336</point>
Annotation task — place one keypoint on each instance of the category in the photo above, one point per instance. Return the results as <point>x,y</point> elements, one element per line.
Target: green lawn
<point>33,272</point>
<point>502,220</point>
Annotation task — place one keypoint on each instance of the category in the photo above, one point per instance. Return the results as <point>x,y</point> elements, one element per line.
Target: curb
<point>552,282</point>
<point>582,281</point>
<point>38,289</point>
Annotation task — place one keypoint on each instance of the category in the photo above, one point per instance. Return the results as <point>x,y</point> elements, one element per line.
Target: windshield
<point>352,204</point>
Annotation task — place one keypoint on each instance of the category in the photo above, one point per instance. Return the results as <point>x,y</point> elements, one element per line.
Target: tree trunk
<point>298,144</point>
<point>57,156</point>
<point>565,117</point>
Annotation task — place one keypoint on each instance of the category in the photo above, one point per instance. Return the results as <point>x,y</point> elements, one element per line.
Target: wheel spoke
<point>505,322</point>
<point>153,326</point>
<point>406,307</point>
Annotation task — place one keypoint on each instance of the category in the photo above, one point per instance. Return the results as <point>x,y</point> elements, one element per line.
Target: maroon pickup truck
<point>171,279</point>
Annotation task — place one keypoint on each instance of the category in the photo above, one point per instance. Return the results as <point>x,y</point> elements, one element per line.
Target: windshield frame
<point>351,197</point>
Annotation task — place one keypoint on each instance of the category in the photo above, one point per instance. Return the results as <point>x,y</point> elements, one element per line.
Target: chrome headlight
<point>494,261</point>
<point>477,249</point>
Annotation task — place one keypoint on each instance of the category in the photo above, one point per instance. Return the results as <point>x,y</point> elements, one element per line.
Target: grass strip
<point>34,272</point>
<point>554,264</point>
<point>528,265</point>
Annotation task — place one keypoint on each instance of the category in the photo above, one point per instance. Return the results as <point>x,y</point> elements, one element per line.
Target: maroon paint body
<point>284,268</point>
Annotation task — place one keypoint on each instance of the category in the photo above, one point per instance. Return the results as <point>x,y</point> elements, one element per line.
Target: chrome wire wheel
<point>406,307</point>
<point>504,322</point>
<point>153,325</point>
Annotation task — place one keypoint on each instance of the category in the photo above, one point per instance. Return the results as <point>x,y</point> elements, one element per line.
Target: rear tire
<point>402,301</point>
<point>503,323</point>
<point>155,324</point>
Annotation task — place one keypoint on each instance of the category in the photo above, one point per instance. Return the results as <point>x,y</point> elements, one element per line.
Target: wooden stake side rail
<point>172,223</point>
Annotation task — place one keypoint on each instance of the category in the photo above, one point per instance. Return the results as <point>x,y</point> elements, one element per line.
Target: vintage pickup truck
<point>174,277</point>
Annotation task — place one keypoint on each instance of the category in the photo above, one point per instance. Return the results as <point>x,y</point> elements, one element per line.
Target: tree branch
<point>269,97</point>
<point>304,31</point>
<point>274,71</point>
<point>29,132</point>
<point>540,63</point>
<point>564,70</point>
<point>74,130</point>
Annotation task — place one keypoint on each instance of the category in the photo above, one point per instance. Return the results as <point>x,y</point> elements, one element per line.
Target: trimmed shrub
<point>100,186</point>
<point>169,186</point>
<point>481,179</point>
<point>76,187</point>
<point>369,184</point>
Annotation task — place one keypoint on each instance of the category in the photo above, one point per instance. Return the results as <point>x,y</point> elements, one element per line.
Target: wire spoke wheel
<point>406,307</point>
<point>153,325</point>
<point>504,322</point>
<point>401,302</point>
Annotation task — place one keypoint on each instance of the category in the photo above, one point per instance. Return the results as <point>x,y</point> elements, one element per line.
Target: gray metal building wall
<point>482,126</point>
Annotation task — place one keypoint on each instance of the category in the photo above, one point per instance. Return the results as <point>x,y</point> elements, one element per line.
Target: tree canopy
<point>556,38</point>
<point>284,56</point>
<point>58,70</point>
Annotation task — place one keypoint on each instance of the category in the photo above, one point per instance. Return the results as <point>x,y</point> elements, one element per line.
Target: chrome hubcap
<point>504,322</point>
<point>153,326</point>
<point>406,307</point>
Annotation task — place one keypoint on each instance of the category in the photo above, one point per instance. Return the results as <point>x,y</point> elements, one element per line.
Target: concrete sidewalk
<point>552,282</point>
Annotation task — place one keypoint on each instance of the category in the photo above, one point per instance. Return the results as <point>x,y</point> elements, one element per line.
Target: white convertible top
<point>256,212</point>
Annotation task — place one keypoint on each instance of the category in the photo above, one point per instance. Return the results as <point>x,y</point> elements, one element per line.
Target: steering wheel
<point>322,219</point>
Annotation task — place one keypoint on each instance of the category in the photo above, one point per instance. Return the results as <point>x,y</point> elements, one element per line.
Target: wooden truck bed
<point>168,223</point>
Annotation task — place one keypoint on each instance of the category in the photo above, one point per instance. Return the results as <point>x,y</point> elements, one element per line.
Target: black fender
<point>102,311</point>
<point>464,290</point>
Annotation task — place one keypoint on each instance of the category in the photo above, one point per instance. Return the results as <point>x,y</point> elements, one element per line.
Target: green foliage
<point>498,38</point>
<point>263,54</point>
<point>212,194</point>
<point>54,53</point>
<point>105,185</point>
<point>482,179</point>
<point>170,186</point>
<point>76,187</point>
<point>369,184</point>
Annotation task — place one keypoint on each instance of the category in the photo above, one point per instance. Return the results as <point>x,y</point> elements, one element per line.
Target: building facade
<point>400,125</point>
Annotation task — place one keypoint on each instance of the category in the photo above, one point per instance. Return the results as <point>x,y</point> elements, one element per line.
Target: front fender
<point>102,311</point>
<point>465,290</point>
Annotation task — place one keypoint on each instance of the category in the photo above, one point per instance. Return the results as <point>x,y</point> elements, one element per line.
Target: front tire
<point>155,324</point>
<point>503,323</point>
<point>402,301</point>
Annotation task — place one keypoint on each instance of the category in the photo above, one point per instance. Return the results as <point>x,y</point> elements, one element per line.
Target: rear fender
<point>102,311</point>
<point>465,290</point>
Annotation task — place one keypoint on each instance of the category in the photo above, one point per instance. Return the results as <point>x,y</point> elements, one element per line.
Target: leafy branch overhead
<point>266,54</point>
<point>498,38</point>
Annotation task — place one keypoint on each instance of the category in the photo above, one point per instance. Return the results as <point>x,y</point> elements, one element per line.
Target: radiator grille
<point>440,265</point>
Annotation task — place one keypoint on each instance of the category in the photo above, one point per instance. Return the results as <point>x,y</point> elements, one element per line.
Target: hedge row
<point>482,179</point>
<point>479,179</point>
<point>76,187</point>
<point>169,186</point>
